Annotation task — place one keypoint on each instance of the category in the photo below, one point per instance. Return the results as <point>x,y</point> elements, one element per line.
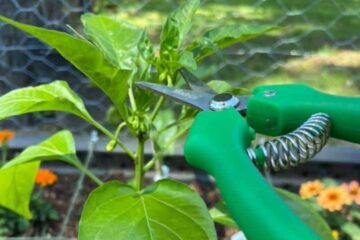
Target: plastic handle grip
<point>278,109</point>
<point>216,143</point>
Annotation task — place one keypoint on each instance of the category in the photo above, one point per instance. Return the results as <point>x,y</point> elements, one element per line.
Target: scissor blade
<point>194,99</point>
<point>193,82</point>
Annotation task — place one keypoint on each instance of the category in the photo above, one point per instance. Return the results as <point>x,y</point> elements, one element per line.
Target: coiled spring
<point>296,147</point>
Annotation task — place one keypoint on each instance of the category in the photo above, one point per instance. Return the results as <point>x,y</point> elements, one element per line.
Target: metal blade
<point>194,99</point>
<point>193,82</point>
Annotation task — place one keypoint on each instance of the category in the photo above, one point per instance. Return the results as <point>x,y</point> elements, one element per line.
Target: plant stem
<point>111,136</point>
<point>150,164</point>
<point>157,108</point>
<point>91,175</point>
<point>4,150</point>
<point>132,99</point>
<point>139,163</point>
<point>158,164</point>
<point>161,100</point>
<point>173,124</point>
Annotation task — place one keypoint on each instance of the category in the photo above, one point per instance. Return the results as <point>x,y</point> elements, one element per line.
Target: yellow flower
<point>333,198</point>
<point>353,190</point>
<point>335,234</point>
<point>310,189</point>
<point>45,177</point>
<point>6,135</point>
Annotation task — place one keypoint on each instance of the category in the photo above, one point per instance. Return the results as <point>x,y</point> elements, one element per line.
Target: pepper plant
<point>113,55</point>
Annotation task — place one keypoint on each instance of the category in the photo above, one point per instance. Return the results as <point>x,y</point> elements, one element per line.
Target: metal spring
<point>296,147</point>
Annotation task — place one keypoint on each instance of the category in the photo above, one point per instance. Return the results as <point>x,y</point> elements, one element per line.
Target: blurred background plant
<point>44,215</point>
<point>318,44</point>
<point>339,204</point>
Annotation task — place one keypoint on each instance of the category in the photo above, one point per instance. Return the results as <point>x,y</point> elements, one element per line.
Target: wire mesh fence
<point>318,43</point>
<point>25,61</point>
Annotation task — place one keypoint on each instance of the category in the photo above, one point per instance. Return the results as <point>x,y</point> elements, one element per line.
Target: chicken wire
<point>25,61</point>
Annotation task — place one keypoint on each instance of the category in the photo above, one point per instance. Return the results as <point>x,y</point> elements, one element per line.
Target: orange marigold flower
<point>333,198</point>
<point>310,189</point>
<point>6,135</point>
<point>353,190</point>
<point>45,177</point>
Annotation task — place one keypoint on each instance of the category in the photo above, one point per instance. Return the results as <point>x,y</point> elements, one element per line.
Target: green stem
<point>90,174</point>
<point>158,164</point>
<point>111,136</point>
<point>4,151</point>
<point>139,163</point>
<point>173,124</point>
<point>112,143</point>
<point>157,108</point>
<point>161,100</point>
<point>150,164</point>
<point>132,99</point>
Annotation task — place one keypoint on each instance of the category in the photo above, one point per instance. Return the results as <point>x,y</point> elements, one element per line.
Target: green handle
<point>279,109</point>
<point>217,143</point>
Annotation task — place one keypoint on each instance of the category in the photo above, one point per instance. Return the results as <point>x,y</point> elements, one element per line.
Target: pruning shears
<point>220,138</point>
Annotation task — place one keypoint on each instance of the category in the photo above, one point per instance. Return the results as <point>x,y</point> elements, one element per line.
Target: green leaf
<point>117,40</point>
<point>219,86</point>
<point>187,60</point>
<point>55,96</point>
<point>17,176</point>
<point>351,230</point>
<point>355,214</point>
<point>112,116</point>
<point>226,36</point>
<point>164,210</point>
<point>85,57</point>
<point>17,184</point>
<point>306,213</point>
<point>220,214</point>
<point>176,27</point>
<point>60,146</point>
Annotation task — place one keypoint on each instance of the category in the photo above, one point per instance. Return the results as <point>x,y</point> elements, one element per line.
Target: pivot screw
<point>223,101</point>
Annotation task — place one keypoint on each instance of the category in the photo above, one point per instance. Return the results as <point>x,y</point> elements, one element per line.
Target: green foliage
<point>172,37</point>
<point>352,230</point>
<point>221,215</point>
<point>60,146</point>
<point>219,86</point>
<point>21,170</point>
<point>176,27</point>
<point>17,184</point>
<point>85,57</point>
<point>226,36</point>
<point>164,210</point>
<point>118,41</point>
<point>11,224</point>
<point>55,96</point>
<point>43,215</point>
<point>43,212</point>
